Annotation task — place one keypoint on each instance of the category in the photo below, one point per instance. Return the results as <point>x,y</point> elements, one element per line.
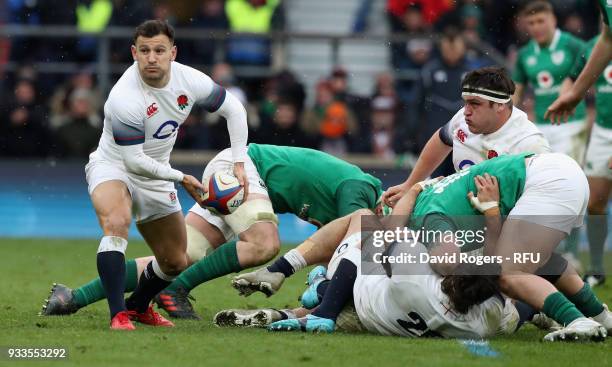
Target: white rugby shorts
<point>151,199</point>
<point>223,162</point>
<point>569,138</point>
<point>599,153</point>
<point>556,193</point>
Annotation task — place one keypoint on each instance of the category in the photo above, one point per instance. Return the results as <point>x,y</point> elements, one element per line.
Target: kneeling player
<point>310,184</point>
<point>521,186</point>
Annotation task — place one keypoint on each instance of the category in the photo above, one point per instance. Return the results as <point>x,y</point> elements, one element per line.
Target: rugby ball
<point>224,194</point>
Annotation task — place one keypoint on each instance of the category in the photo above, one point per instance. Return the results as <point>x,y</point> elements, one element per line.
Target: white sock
<point>296,260</point>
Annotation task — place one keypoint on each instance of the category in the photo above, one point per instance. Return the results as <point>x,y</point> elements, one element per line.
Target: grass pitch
<point>30,266</point>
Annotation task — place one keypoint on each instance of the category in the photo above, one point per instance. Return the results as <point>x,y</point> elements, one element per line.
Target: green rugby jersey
<point>313,185</point>
<point>603,86</point>
<point>606,10</point>
<point>445,205</point>
<point>546,68</point>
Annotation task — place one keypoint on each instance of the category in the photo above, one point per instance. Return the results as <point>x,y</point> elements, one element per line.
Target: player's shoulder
<point>457,119</point>
<point>526,50</point>
<point>191,80</point>
<point>187,74</point>
<point>570,40</point>
<point>591,43</point>
<point>125,100</point>
<point>520,122</point>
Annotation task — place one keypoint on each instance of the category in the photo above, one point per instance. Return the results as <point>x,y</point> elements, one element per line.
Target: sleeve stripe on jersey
<point>446,134</point>
<point>125,134</point>
<point>129,140</point>
<point>215,99</point>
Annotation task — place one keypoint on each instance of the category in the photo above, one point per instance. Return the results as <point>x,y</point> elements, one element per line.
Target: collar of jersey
<point>553,43</point>
<point>516,113</point>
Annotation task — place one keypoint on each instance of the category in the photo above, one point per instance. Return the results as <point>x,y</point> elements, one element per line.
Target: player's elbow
<point>132,164</point>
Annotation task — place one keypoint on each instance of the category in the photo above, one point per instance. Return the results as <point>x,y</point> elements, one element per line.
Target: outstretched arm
<point>564,106</point>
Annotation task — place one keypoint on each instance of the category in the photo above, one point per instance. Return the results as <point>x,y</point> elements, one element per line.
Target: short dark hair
<point>152,28</point>
<point>494,78</point>
<point>471,284</point>
<point>451,33</point>
<point>537,6</point>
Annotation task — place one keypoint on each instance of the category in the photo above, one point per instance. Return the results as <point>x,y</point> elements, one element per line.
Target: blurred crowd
<point>61,115</point>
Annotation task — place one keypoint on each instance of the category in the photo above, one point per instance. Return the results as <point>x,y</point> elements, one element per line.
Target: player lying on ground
<point>129,173</point>
<point>313,185</point>
<point>551,185</point>
<point>414,302</point>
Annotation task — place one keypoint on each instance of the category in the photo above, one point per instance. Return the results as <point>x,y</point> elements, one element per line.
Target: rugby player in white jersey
<point>129,173</point>
<point>488,126</point>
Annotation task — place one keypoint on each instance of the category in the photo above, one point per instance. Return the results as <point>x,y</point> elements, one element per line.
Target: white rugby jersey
<point>136,113</point>
<point>517,135</point>
<point>415,306</point>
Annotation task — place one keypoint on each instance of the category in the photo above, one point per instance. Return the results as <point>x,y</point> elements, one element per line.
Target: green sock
<point>223,260</point>
<point>94,291</point>
<point>560,309</point>
<point>587,302</point>
<point>597,230</point>
<point>571,242</point>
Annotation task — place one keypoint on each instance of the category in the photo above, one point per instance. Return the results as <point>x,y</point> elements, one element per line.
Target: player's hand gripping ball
<point>224,194</point>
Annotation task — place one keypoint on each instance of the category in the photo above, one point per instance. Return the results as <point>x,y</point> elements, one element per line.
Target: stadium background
<point>367,80</point>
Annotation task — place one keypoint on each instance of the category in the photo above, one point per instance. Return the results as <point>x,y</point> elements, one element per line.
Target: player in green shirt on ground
<point>311,184</point>
<point>544,196</point>
<point>596,167</point>
<point>600,57</point>
<point>544,63</point>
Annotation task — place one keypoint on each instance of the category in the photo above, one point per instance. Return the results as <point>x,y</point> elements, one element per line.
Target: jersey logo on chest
<point>182,101</point>
<point>557,57</point>
<point>166,130</point>
<point>545,79</point>
<point>152,109</point>
<point>461,135</point>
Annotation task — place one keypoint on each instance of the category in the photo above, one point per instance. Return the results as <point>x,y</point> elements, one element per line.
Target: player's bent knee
<point>266,247</point>
<point>198,245</point>
<point>249,213</point>
<point>115,225</point>
<point>172,267</point>
<point>164,272</point>
<point>597,207</point>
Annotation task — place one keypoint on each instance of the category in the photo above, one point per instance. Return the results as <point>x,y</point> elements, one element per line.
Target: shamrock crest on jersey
<point>557,57</point>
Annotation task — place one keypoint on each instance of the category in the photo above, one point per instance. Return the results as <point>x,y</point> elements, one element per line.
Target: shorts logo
<point>342,247</point>
<point>491,154</point>
<point>262,184</point>
<point>152,109</point>
<point>166,130</point>
<point>461,135</point>
<point>172,196</point>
